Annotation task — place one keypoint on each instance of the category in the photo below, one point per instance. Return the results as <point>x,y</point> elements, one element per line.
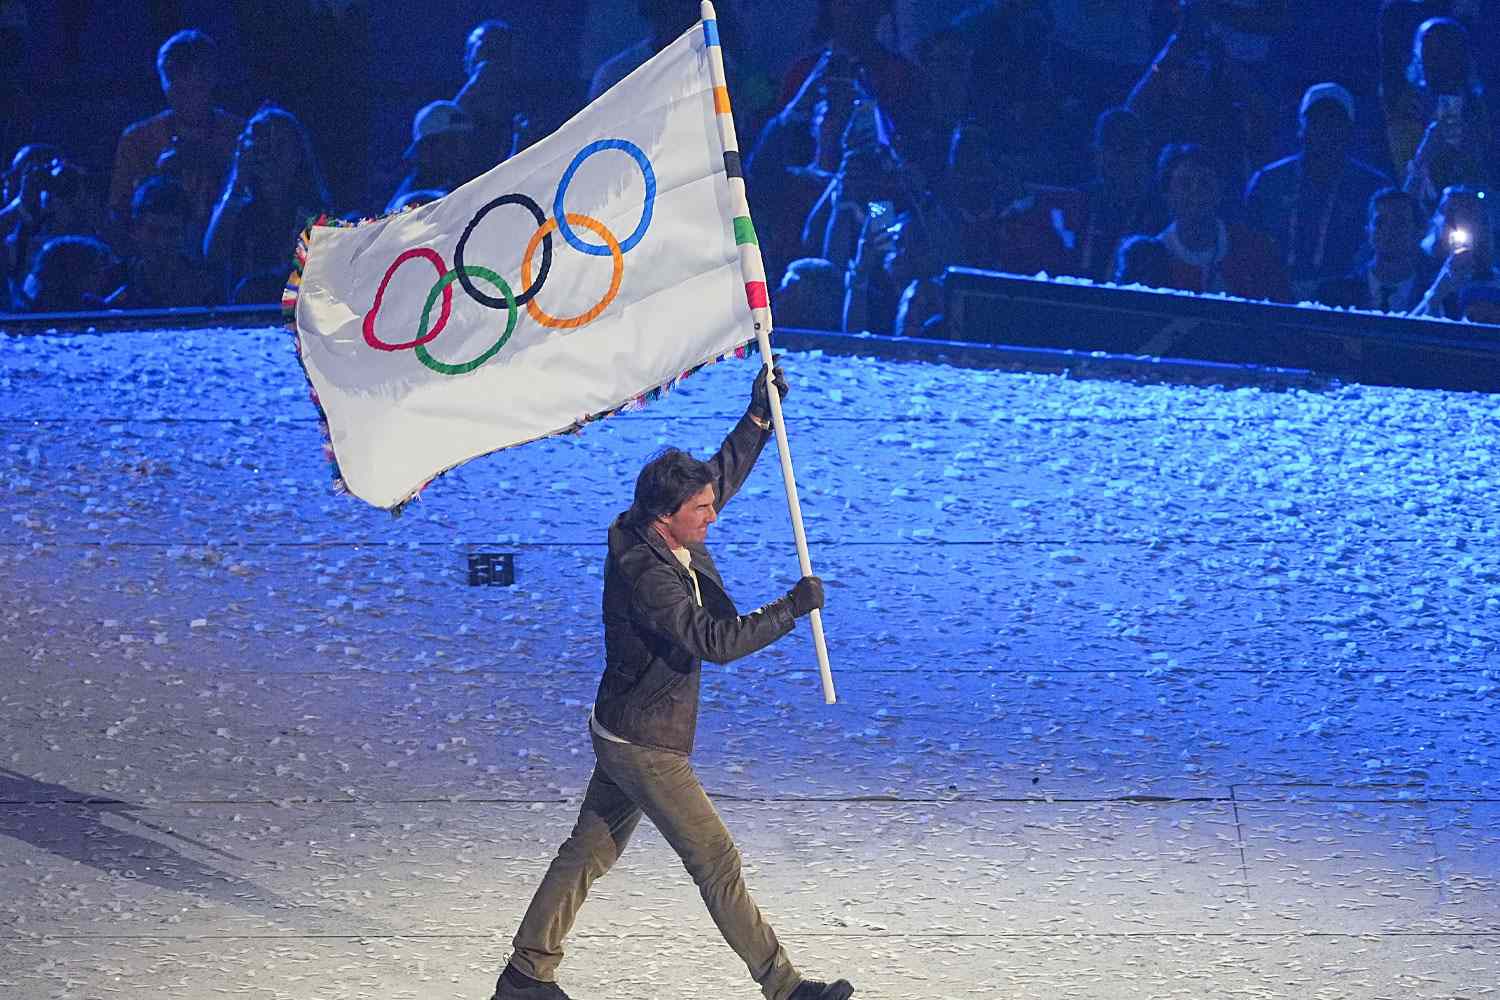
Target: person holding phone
<point>795,161</point>
<point>849,47</point>
<point>1441,137</point>
<point>1463,239</point>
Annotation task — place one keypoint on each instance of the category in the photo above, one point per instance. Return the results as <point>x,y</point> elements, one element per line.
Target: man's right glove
<point>806,596</point>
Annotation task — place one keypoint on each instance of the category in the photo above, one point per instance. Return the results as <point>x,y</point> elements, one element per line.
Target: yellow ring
<point>616,256</point>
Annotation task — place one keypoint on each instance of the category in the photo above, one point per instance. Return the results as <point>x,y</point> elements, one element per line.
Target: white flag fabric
<point>569,281</point>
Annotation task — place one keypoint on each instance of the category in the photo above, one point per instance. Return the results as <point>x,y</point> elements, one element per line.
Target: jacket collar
<point>629,536</point>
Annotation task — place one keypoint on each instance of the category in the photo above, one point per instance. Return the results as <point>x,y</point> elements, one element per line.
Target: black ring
<point>541,276</point>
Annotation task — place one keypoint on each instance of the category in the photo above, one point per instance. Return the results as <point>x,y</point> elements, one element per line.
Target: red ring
<point>432,257</point>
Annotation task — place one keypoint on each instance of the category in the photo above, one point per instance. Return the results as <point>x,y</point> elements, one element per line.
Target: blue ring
<point>566,231</point>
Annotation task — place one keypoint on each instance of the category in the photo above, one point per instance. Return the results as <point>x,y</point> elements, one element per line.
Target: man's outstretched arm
<point>735,458</point>
<point>664,604</point>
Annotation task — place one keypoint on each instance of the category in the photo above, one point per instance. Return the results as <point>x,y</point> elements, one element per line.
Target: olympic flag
<point>574,279</point>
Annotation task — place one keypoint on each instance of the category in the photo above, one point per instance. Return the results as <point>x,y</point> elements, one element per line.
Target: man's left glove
<point>760,403</point>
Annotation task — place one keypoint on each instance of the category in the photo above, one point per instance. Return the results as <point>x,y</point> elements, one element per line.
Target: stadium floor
<point>1145,690</point>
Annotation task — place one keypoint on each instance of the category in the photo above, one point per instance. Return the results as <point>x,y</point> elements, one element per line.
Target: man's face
<point>689,523</point>
<point>190,91</point>
<point>1193,191</point>
<point>445,154</point>
<point>1393,230</point>
<point>158,234</point>
<point>1326,130</point>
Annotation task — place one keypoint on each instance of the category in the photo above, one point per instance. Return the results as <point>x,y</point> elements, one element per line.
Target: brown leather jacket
<point>656,636</point>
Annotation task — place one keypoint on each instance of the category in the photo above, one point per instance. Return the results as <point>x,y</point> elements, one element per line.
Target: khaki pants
<point>628,781</point>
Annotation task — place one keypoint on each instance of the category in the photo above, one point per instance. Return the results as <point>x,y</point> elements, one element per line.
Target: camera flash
<point>1459,237</point>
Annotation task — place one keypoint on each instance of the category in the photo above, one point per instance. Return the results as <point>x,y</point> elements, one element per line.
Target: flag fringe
<point>289,295</point>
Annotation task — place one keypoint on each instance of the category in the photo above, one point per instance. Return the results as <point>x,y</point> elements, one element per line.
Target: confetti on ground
<point>1149,691</point>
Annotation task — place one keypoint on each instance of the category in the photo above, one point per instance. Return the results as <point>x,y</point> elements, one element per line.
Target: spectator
<point>191,140</point>
<point>1399,101</point>
<point>666,20</point>
<point>1463,238</point>
<point>789,176</point>
<point>849,46</point>
<point>1142,260</point>
<point>1246,31</point>
<point>164,269</point>
<point>1075,232</point>
<point>439,156</point>
<point>1396,273</point>
<point>972,195</point>
<point>892,256</point>
<point>969,203</point>
<point>1208,254</point>
<point>1440,134</point>
<point>1192,94</point>
<point>871,173</point>
<point>72,274</point>
<point>274,187</point>
<point>1017,95</point>
<point>1313,203</point>
<point>52,198</point>
<point>492,96</point>
<point>811,295</point>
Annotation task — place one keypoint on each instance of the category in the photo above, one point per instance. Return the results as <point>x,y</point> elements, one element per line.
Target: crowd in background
<point>994,145</point>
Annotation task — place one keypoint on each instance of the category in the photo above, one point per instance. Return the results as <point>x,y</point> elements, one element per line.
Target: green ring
<point>473,271</point>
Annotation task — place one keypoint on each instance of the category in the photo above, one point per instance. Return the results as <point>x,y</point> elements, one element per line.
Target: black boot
<point>516,985</point>
<point>811,989</point>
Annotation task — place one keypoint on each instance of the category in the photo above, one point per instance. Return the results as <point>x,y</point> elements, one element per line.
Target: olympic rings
<point>616,251</point>
<point>444,286</point>
<point>369,325</point>
<point>458,252</point>
<point>462,272</point>
<point>647,173</point>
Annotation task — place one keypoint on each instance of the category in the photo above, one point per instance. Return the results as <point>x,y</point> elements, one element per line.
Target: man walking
<point>665,611</point>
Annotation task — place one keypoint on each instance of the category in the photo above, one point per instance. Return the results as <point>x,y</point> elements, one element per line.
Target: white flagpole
<point>760,309</point>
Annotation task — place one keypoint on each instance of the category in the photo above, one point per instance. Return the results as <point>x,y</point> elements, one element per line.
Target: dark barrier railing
<point>141,319</point>
<point>1372,348</point>
<point>999,320</point>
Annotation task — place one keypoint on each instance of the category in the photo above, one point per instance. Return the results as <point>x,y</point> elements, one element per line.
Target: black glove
<point>760,403</point>
<point>805,596</point>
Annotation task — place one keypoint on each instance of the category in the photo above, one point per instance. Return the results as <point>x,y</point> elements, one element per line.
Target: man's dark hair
<point>158,195</point>
<point>1389,194</point>
<point>189,49</point>
<point>665,484</point>
<point>1174,155</point>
